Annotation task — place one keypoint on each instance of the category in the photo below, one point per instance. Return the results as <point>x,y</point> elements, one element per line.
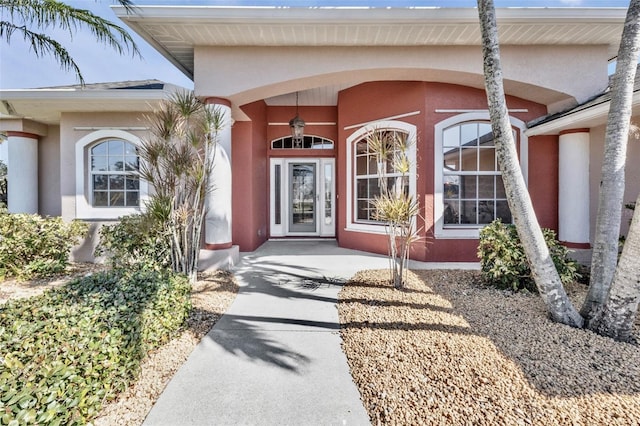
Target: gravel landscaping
<point>447,350</point>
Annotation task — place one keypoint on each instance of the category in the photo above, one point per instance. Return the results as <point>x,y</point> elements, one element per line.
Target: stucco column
<point>573,193</point>
<point>22,172</point>
<point>218,218</point>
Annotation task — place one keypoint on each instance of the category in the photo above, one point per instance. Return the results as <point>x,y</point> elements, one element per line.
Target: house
<point>343,73</point>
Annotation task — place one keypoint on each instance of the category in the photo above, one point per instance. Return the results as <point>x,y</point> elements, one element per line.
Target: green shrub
<point>33,246</point>
<point>136,242</point>
<point>70,349</point>
<point>504,263</point>
<point>3,185</point>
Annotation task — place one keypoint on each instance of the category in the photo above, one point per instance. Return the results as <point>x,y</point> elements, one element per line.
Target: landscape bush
<point>3,185</point>
<point>67,351</point>
<point>504,263</point>
<point>34,246</point>
<point>136,242</point>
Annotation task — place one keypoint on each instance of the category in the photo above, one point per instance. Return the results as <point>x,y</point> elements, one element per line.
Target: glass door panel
<point>302,197</point>
<point>328,194</point>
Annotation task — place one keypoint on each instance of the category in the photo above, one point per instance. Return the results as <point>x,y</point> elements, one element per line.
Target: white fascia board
<point>278,14</point>
<point>577,119</point>
<point>70,94</point>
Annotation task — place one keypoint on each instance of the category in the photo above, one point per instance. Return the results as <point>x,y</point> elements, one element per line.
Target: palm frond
<point>32,18</point>
<point>42,45</point>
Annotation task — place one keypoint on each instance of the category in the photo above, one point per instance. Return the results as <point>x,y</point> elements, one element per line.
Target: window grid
<point>114,179</point>
<point>473,191</point>
<point>367,184</point>
<point>309,142</point>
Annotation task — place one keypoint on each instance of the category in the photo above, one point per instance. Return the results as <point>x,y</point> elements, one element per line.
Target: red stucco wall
<point>378,100</point>
<point>318,114</point>
<point>249,182</point>
<point>543,179</point>
<point>361,104</point>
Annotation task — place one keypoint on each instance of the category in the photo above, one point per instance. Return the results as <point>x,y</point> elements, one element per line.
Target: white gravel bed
<point>449,351</point>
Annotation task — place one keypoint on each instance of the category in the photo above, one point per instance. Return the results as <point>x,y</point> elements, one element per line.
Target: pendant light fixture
<point>297,128</point>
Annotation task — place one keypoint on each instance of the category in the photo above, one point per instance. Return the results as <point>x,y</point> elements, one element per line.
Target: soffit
<point>47,106</point>
<point>175,30</point>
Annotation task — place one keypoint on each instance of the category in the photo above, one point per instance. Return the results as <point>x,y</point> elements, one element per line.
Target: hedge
<point>34,246</point>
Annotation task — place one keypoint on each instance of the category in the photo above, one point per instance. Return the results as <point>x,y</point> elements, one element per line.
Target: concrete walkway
<point>275,357</point>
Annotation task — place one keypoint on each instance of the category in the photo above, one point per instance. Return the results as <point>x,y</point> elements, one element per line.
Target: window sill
<point>458,234</point>
<point>101,213</point>
<point>369,229</point>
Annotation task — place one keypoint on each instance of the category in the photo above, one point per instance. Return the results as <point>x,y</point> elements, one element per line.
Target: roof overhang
<point>175,30</point>
<point>47,105</point>
<point>593,116</point>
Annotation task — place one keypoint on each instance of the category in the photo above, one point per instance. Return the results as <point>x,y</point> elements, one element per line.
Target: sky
<point>21,69</point>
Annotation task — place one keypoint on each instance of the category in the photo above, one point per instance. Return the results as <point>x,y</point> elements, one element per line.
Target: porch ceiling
<point>175,30</point>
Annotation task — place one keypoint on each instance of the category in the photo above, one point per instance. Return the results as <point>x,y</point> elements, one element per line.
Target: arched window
<point>367,164</point>
<point>114,180</point>
<point>362,172</point>
<point>469,191</point>
<point>308,142</point>
<point>107,181</point>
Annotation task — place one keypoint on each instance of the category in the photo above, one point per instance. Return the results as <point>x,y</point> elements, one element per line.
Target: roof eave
<point>66,94</point>
<point>578,119</point>
<point>279,14</point>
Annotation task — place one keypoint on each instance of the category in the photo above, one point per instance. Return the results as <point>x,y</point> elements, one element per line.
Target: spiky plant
<point>395,206</point>
<point>177,159</point>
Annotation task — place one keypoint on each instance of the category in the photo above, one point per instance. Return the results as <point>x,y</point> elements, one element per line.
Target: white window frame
<point>326,144</point>
<point>466,232</point>
<point>84,207</point>
<point>410,130</point>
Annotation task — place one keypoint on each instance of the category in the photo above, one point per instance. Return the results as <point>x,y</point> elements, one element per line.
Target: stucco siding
<point>75,126</point>
<point>543,179</point>
<point>230,72</point>
<point>429,103</point>
<point>632,176</point>
<point>249,179</point>
<point>49,173</point>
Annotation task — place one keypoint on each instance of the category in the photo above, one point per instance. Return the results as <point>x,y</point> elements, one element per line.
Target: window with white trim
<point>308,142</point>
<point>107,181</point>
<point>362,177</point>
<point>469,191</point>
<point>473,192</point>
<point>367,176</point>
<point>114,174</point>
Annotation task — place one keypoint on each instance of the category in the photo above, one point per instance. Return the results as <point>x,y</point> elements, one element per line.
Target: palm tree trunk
<point>543,270</point>
<point>617,316</point>
<point>605,246</point>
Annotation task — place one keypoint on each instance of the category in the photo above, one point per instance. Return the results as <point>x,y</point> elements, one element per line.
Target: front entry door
<point>302,197</point>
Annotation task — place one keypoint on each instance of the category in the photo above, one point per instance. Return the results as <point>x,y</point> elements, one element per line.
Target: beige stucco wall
<point>544,74</point>
<point>632,175</point>
<point>49,173</point>
<point>70,133</point>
